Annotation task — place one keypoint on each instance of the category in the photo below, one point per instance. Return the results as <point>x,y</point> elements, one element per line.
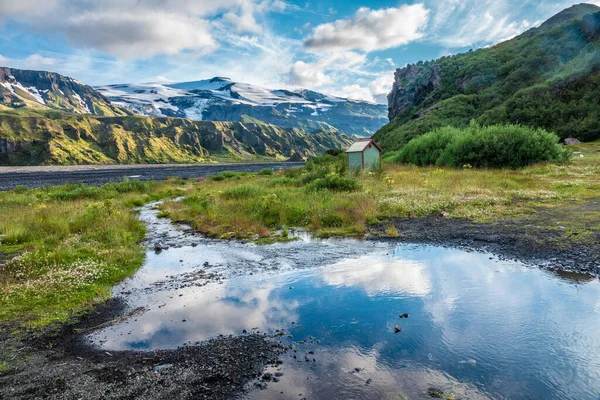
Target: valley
<point>198,237</point>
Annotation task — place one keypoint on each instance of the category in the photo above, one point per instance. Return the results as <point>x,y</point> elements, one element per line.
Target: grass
<point>63,248</point>
<point>331,202</point>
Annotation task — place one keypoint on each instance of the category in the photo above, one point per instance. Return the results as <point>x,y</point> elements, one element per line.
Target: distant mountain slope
<point>547,77</point>
<point>48,90</point>
<point>220,99</point>
<point>29,137</point>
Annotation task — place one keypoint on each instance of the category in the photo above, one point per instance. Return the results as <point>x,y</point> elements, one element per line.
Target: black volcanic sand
<point>32,177</point>
<point>58,364</point>
<point>530,243</point>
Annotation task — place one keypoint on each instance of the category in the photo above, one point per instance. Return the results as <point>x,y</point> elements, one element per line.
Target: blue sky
<point>348,48</point>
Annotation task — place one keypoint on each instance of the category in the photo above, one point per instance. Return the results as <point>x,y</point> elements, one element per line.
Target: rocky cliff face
<point>53,138</point>
<point>413,84</point>
<point>48,90</point>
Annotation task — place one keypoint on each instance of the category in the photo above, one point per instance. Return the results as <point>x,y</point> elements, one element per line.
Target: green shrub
<point>334,182</point>
<point>266,171</point>
<point>227,175</point>
<point>242,192</point>
<point>496,146</point>
<point>282,181</point>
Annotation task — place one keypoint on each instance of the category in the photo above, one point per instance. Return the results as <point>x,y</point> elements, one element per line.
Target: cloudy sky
<point>343,47</point>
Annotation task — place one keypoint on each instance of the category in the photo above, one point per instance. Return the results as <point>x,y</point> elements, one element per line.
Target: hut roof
<point>361,145</point>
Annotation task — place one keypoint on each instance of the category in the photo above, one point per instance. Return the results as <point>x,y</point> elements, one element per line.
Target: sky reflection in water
<point>478,327</point>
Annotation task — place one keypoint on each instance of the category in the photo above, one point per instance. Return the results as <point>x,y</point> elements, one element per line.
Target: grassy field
<point>329,203</point>
<point>62,248</point>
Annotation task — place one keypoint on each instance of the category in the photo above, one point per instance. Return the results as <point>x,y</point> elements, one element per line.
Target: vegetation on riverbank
<point>324,197</point>
<point>62,248</point>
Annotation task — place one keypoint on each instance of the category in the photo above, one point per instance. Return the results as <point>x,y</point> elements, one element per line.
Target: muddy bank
<point>531,243</point>
<point>60,365</point>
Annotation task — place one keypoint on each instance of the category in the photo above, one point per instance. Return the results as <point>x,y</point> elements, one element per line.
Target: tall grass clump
<point>496,146</point>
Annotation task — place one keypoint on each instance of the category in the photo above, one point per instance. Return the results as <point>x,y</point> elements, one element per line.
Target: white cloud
<point>308,75</point>
<point>462,23</point>
<point>139,35</point>
<point>133,29</point>
<point>353,92</point>
<point>315,74</point>
<point>381,86</point>
<point>371,30</point>
<point>243,21</point>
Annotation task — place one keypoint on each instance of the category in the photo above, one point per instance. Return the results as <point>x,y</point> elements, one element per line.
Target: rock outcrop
<point>412,85</point>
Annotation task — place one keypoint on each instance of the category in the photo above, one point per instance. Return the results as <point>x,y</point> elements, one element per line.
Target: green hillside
<point>31,137</point>
<point>548,77</point>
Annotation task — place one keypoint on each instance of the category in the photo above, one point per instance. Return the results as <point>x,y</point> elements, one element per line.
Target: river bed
<point>478,327</point>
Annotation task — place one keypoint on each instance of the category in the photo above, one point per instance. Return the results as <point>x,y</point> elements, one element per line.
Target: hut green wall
<point>371,158</point>
<point>354,160</point>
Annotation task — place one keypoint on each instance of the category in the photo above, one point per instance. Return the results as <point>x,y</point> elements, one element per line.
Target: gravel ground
<point>31,177</point>
<point>531,243</point>
<point>59,364</point>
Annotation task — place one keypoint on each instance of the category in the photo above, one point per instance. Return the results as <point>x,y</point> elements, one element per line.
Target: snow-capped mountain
<point>41,89</point>
<point>220,99</point>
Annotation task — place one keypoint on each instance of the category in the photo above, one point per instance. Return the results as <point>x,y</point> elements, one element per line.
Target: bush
<point>497,146</point>
<point>242,192</point>
<point>334,182</point>
<point>227,175</point>
<point>334,152</point>
<point>265,171</point>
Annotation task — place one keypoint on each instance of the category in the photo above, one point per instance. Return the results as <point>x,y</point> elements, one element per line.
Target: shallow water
<point>478,327</point>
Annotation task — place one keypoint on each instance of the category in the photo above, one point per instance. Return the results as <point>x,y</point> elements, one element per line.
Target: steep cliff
<point>547,77</point>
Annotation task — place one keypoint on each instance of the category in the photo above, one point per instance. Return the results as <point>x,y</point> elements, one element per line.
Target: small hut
<point>364,154</point>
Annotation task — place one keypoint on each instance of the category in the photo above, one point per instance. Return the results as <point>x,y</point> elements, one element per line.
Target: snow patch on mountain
<point>221,99</point>
<point>155,98</point>
<point>82,103</point>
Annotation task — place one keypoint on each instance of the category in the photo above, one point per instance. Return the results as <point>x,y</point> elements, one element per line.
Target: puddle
<point>478,327</point>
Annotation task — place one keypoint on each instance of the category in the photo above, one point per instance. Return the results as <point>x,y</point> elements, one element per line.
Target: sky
<point>348,48</point>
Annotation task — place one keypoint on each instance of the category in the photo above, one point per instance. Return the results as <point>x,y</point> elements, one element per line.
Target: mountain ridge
<point>48,118</point>
<point>49,90</point>
<point>221,99</point>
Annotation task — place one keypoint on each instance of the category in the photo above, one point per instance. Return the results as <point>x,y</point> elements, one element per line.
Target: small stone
<point>435,392</point>
<point>158,246</point>
<point>184,320</point>
<point>267,376</point>
<point>369,381</point>
<point>397,329</point>
<point>405,315</point>
<point>260,385</point>
<point>163,367</point>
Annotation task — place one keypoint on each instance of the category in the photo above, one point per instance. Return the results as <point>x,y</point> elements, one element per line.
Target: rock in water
<point>397,329</point>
